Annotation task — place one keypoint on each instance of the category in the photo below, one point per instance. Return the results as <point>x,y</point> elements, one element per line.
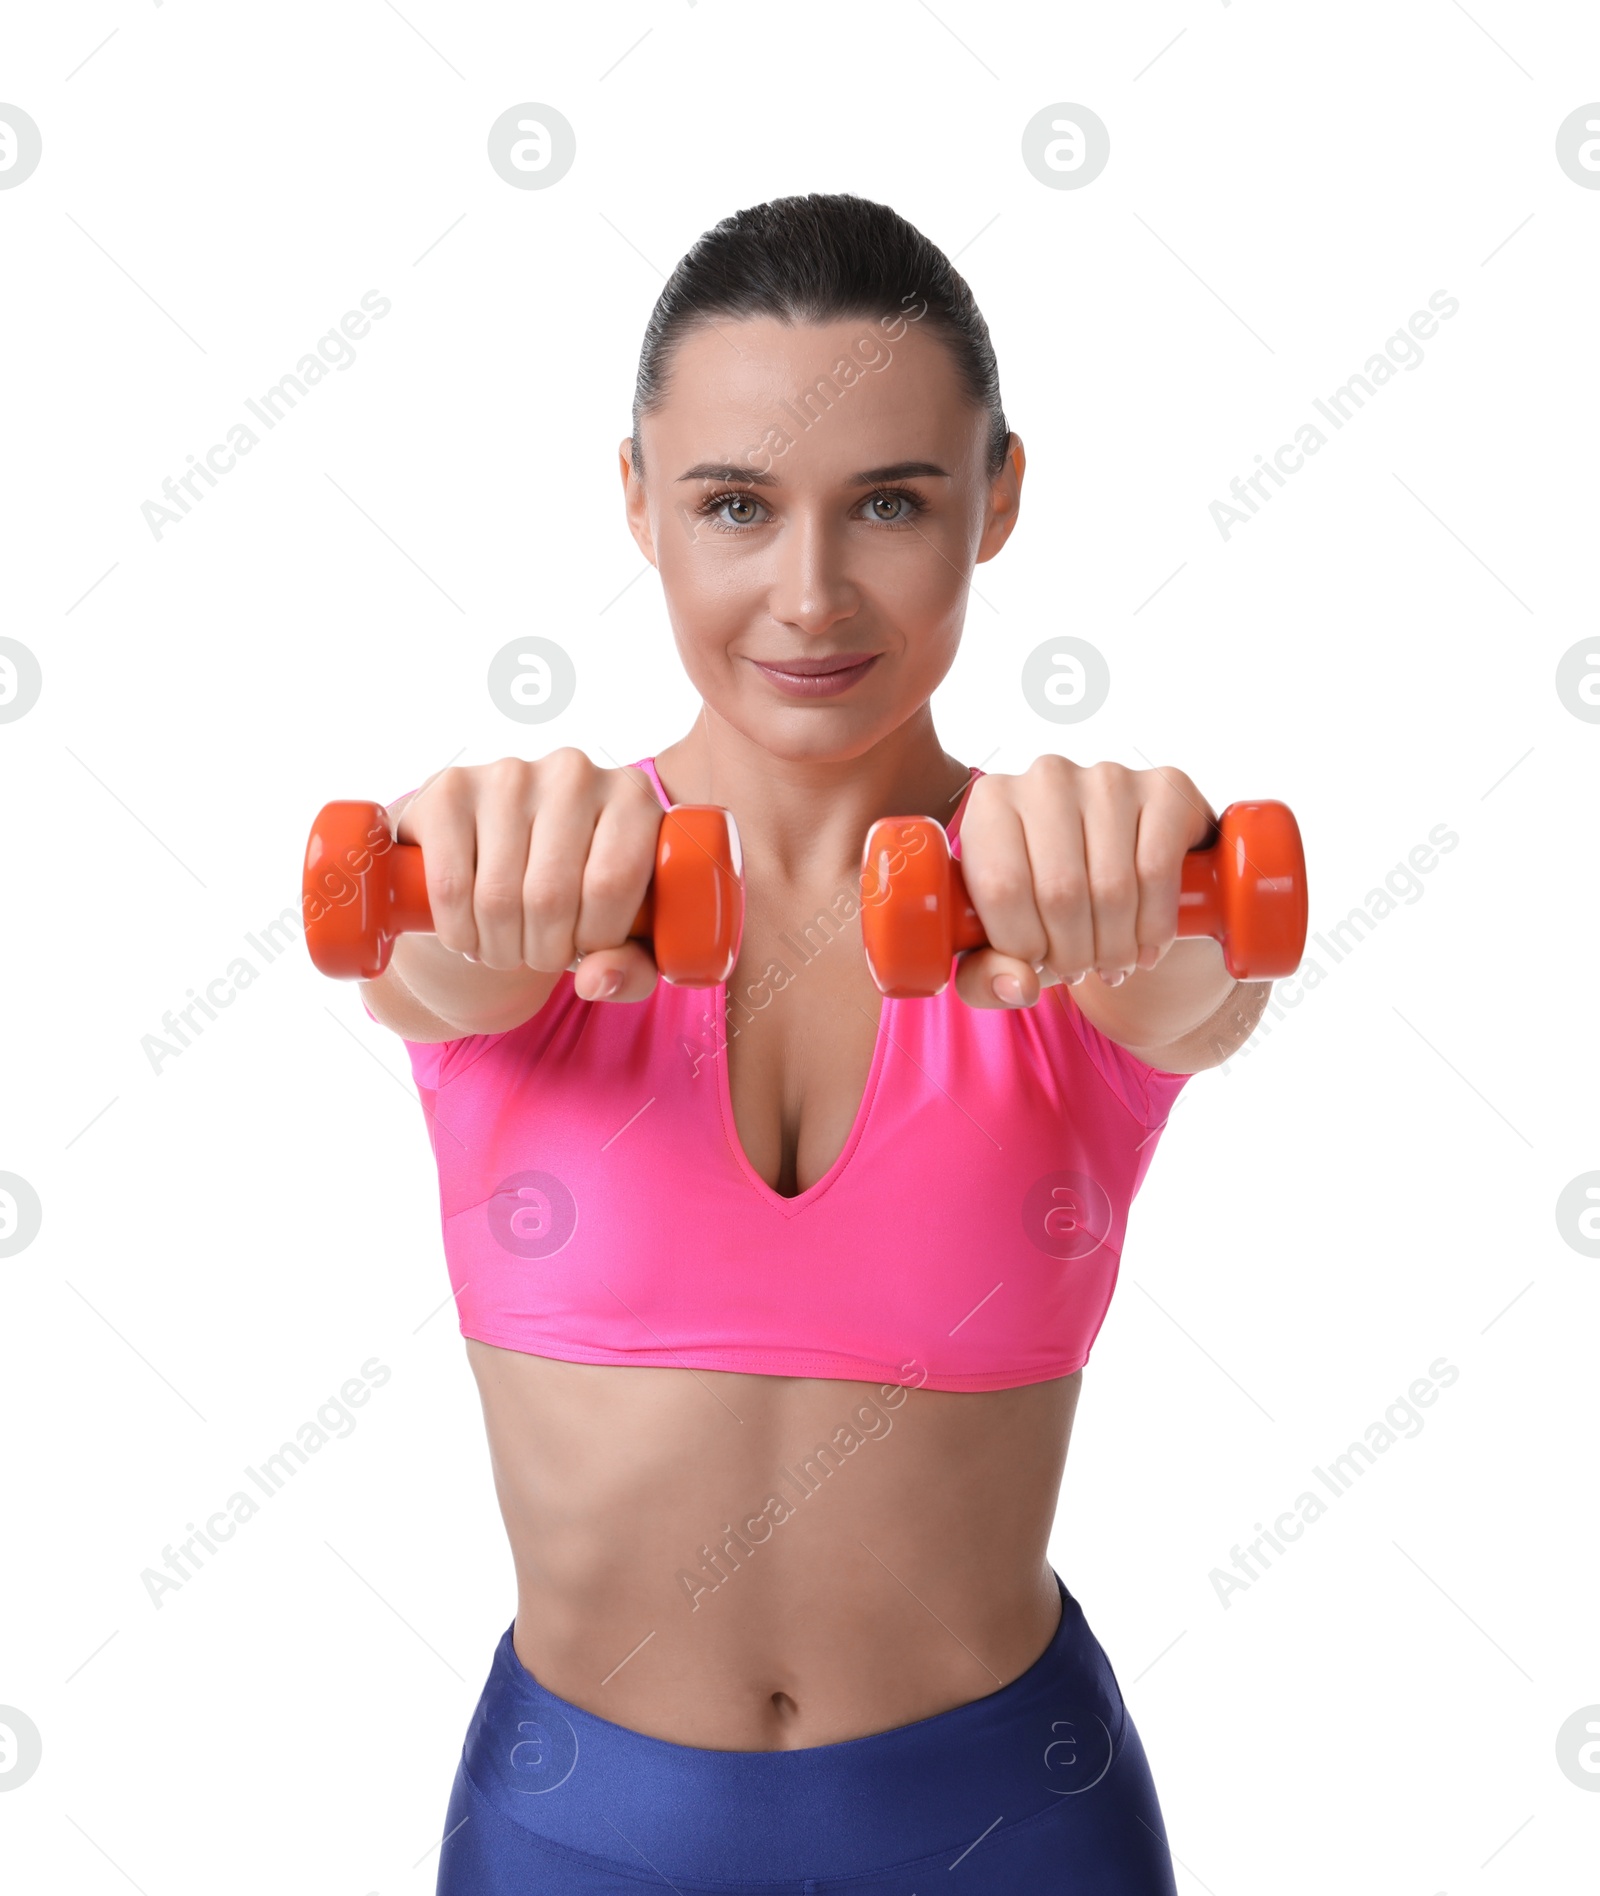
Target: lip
<point>817,677</point>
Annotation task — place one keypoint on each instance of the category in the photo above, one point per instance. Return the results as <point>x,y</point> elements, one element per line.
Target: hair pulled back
<point>816,259</point>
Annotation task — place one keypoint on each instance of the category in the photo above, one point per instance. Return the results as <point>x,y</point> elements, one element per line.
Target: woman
<point>778,1295</point>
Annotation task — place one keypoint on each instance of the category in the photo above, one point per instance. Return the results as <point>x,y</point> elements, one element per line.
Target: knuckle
<point>448,890</point>
<point>567,767</point>
<point>992,795</point>
<point>497,897</point>
<point>1002,885</point>
<point>450,792</point>
<point>1112,782</point>
<point>609,884</point>
<point>1052,767</point>
<point>1059,894</point>
<point>1116,889</point>
<point>545,906</point>
<point>508,773</point>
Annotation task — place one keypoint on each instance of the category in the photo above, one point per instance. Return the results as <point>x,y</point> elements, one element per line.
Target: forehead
<point>845,392</point>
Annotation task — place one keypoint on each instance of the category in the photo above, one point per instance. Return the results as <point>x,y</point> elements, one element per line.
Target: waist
<point>563,1772</point>
<point>800,1549</point>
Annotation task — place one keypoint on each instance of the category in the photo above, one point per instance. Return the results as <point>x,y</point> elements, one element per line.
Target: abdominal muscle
<point>869,1586</point>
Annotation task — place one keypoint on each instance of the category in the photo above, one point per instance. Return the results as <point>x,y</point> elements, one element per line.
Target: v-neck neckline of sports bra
<point>801,1201</point>
<point>780,1201</point>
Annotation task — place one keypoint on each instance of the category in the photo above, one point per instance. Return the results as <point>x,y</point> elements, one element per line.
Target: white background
<point>1371,1188</point>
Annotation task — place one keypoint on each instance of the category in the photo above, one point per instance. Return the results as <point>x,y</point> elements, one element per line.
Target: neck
<point>802,816</point>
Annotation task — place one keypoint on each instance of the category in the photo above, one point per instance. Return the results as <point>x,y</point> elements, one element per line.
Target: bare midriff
<point>759,1563</point>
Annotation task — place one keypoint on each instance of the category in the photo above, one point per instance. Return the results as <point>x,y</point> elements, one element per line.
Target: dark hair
<point>814,259</point>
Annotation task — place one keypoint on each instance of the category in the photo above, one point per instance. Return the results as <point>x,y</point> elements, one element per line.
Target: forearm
<point>1154,1007</point>
<point>446,987</point>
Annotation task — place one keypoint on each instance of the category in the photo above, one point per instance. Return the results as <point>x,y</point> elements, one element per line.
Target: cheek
<point>708,599</point>
<point>919,590</point>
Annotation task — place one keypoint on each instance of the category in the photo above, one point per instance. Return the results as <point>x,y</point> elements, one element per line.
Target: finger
<point>616,974</point>
<point>549,897</point>
<point>504,816</point>
<point>978,973</point>
<point>1110,836</point>
<point>1053,826</point>
<point>445,826</point>
<point>616,875</point>
<point>999,879</point>
<point>1164,828</point>
<point>400,811</point>
<point>1174,819</point>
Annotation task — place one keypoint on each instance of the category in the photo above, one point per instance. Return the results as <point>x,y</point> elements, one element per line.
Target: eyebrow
<point>873,476</point>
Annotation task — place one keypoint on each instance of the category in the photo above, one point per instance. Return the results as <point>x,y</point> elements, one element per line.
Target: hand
<point>535,863</point>
<point>1074,868</point>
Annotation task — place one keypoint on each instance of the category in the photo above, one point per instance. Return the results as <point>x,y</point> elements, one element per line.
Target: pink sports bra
<point>598,1207</point>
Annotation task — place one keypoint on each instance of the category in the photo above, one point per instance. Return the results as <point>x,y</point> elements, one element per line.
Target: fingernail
<point>1074,979</point>
<point>609,983</point>
<point>466,957</point>
<point>1007,988</point>
<point>1114,979</point>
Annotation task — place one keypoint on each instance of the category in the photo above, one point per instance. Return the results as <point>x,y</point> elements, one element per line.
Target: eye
<point>731,511</point>
<point>893,506</point>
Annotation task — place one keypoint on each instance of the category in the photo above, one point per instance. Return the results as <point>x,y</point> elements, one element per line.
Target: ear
<point>1005,498</point>
<point>636,502</point>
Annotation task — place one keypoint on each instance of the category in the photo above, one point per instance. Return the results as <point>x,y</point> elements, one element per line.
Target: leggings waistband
<point>592,1786</point>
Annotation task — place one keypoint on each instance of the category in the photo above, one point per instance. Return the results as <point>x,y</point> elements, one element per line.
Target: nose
<point>811,589</point>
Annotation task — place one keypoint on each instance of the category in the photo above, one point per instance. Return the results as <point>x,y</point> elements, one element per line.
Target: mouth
<point>817,677</point>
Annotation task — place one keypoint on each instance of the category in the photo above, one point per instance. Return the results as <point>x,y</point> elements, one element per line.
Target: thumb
<point>624,973</point>
<point>977,973</point>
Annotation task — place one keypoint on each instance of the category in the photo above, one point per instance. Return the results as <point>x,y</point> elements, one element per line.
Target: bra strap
<point>648,766</point>
<point>961,810</point>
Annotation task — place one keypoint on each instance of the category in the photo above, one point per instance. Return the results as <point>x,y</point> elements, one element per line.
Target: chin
<point>813,734</point>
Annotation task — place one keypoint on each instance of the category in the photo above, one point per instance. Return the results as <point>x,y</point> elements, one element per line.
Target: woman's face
<point>814,498</point>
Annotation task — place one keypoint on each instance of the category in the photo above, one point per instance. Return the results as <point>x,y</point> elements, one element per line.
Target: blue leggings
<point>1039,1789</point>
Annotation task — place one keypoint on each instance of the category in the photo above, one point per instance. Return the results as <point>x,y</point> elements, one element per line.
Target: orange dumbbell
<point>1247,890</point>
<point>361,889</point>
